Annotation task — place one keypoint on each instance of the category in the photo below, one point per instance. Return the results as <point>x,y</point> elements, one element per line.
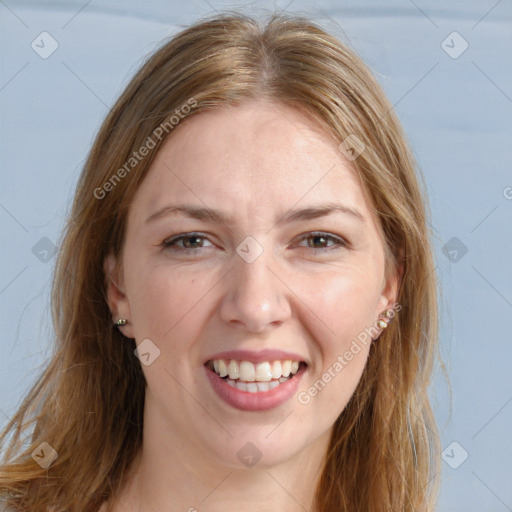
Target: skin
<point>254,162</point>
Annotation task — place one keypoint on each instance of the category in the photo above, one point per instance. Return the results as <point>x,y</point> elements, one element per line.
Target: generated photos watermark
<point>362,339</point>
<point>158,133</point>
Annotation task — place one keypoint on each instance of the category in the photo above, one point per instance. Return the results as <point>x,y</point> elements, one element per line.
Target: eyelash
<point>340,242</point>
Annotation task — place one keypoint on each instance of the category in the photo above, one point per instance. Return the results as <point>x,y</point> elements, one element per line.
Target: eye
<point>322,239</point>
<point>190,242</point>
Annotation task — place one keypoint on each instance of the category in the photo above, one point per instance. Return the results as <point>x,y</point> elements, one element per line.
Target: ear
<point>391,286</point>
<point>116,298</point>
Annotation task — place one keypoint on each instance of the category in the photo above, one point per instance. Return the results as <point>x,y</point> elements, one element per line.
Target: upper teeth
<point>260,372</point>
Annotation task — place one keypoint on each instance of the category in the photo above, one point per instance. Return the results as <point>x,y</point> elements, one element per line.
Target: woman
<point>244,298</point>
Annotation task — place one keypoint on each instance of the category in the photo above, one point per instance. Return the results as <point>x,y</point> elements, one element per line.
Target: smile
<point>254,386</point>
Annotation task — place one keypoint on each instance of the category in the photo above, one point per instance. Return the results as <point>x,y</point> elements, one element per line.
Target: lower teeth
<point>255,387</point>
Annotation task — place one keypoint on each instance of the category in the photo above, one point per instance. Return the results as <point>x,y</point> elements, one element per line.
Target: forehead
<point>249,159</point>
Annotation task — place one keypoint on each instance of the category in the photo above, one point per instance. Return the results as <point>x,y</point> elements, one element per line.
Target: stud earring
<point>121,321</point>
<point>384,322</point>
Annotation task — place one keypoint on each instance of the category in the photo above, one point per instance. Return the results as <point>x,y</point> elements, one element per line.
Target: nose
<point>256,296</point>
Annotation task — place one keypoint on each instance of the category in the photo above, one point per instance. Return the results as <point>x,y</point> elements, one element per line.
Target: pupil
<point>317,237</point>
<point>188,243</point>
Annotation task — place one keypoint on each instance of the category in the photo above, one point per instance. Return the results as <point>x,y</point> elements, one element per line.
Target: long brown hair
<point>88,403</point>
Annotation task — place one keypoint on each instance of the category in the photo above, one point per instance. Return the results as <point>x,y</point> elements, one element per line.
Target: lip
<point>259,401</point>
<point>257,357</point>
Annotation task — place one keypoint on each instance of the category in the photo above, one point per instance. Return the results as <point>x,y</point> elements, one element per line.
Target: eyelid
<point>170,242</point>
<point>340,242</point>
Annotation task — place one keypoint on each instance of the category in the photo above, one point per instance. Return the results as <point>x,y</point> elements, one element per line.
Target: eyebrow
<point>311,212</point>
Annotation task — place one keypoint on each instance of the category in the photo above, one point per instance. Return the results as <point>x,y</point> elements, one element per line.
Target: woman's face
<point>249,244</point>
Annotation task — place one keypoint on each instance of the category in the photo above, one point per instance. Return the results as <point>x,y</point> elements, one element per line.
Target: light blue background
<point>457,113</point>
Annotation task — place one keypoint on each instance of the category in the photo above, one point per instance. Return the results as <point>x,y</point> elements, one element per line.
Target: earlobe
<point>116,297</point>
<point>388,302</point>
<point>394,279</point>
<point>391,288</point>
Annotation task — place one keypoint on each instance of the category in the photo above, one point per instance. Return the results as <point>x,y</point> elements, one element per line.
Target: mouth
<point>254,386</point>
<point>254,378</point>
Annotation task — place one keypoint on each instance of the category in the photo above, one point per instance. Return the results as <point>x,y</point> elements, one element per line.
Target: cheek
<point>163,302</point>
<point>345,303</point>
<point>346,306</point>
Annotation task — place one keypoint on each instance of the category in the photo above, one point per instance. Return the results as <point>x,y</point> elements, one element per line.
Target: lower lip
<point>259,401</point>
